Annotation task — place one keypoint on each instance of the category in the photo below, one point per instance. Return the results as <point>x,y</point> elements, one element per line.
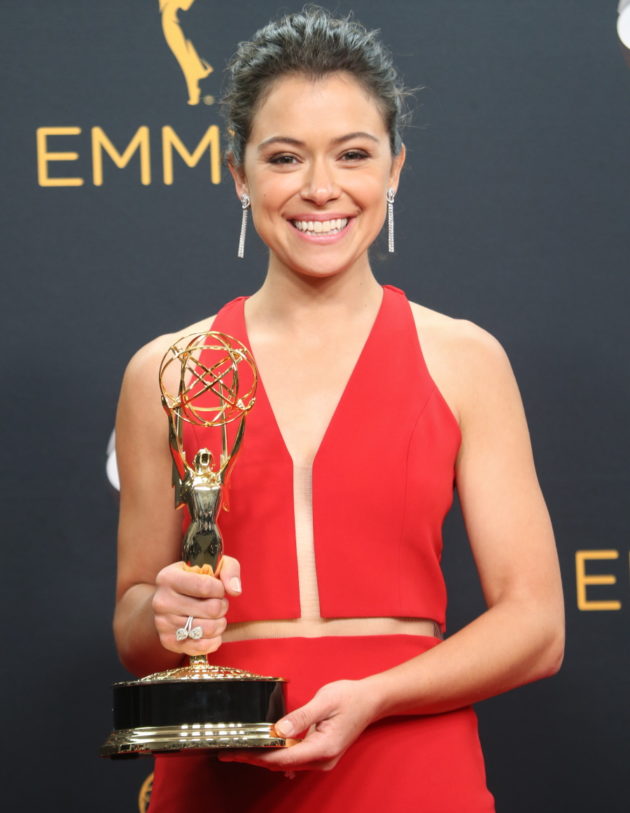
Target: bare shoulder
<point>459,338</point>
<point>140,423</point>
<point>463,359</point>
<point>142,369</point>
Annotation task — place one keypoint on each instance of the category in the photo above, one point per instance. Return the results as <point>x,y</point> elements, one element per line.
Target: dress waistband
<point>322,627</point>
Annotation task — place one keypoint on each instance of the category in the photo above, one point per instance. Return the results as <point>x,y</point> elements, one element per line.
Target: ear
<point>398,161</point>
<point>238,175</point>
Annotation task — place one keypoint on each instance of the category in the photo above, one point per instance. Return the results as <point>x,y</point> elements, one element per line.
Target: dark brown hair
<point>312,43</point>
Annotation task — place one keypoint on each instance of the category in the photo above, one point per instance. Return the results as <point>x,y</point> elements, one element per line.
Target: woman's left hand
<point>332,720</point>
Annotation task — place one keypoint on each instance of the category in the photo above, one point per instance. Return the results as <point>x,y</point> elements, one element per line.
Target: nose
<point>319,184</point>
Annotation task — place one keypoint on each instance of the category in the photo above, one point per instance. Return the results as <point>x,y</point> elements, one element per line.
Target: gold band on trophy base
<point>200,706</point>
<point>197,737</point>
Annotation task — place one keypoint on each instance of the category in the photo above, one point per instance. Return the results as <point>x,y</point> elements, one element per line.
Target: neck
<point>291,297</point>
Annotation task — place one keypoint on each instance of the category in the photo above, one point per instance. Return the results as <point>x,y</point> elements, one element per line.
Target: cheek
<point>270,195</point>
<point>370,191</point>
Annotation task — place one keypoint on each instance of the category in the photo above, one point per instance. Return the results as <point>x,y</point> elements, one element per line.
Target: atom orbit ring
<point>188,631</point>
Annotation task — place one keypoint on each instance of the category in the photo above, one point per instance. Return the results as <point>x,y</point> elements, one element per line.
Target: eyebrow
<point>297,143</point>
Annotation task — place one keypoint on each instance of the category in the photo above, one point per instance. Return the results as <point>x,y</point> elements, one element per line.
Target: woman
<point>370,407</point>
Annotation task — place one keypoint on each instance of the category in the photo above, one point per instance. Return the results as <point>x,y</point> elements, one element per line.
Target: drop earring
<point>390,220</point>
<point>245,203</point>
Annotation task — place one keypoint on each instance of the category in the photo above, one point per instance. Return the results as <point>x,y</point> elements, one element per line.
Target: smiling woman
<point>318,180</point>
<point>335,523</point>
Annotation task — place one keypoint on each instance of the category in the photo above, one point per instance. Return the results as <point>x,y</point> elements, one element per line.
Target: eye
<point>282,159</point>
<point>354,155</point>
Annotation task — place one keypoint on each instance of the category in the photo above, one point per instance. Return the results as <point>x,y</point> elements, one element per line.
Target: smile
<point>321,226</point>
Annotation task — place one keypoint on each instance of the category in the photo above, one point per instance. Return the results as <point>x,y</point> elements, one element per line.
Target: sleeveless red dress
<point>382,484</point>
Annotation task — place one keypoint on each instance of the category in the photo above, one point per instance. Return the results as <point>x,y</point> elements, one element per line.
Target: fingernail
<point>235,584</point>
<point>285,728</point>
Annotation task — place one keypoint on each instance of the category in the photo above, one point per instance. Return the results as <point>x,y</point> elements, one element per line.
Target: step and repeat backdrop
<point>120,223</point>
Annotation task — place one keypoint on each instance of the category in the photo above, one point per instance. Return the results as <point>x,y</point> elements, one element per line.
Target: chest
<point>304,379</point>
<point>382,478</point>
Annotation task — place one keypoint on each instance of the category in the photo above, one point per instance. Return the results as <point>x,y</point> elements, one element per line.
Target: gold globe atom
<point>202,365</point>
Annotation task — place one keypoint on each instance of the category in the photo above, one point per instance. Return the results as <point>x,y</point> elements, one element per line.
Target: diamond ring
<point>188,631</point>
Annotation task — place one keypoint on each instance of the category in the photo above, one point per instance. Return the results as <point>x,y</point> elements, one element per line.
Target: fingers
<point>188,583</point>
<point>333,718</point>
<point>200,585</point>
<point>317,709</point>
<point>209,640</point>
<point>167,603</point>
<point>230,575</point>
<point>317,751</point>
<point>182,593</point>
<point>208,628</point>
<point>312,753</point>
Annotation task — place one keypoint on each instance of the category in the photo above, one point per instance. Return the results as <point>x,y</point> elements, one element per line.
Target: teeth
<point>321,226</point>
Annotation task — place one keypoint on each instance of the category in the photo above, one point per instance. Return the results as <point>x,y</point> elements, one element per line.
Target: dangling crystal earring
<point>245,203</point>
<point>390,220</point>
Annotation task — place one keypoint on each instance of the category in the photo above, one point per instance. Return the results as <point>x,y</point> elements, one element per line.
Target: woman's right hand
<point>181,593</point>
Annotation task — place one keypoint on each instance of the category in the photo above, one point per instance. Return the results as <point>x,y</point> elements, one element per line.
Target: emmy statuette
<point>208,380</point>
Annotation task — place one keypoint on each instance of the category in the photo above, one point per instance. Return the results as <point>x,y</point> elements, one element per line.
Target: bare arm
<point>520,637</point>
<point>153,595</point>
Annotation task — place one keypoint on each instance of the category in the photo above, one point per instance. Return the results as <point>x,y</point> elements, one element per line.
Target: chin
<point>320,273</point>
<point>322,267</point>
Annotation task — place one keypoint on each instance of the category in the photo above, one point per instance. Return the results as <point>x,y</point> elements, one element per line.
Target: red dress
<point>382,483</point>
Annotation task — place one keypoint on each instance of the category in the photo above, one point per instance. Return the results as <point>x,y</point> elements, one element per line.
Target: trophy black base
<point>192,708</point>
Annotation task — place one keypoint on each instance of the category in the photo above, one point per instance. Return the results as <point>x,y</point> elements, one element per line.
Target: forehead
<point>297,105</point>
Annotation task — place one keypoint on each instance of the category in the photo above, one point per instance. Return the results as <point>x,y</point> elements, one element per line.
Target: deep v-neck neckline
<point>263,395</point>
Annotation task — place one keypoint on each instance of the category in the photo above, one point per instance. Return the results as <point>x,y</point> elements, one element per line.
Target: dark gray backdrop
<point>513,212</point>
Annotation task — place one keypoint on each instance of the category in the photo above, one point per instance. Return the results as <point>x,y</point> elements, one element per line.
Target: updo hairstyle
<point>311,43</point>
